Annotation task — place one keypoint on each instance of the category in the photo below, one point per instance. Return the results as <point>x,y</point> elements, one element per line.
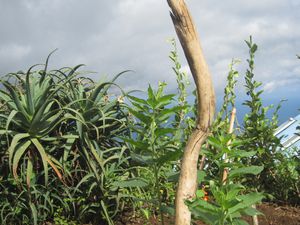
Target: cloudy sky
<point>112,36</point>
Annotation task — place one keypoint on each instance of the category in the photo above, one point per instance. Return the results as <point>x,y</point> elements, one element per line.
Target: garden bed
<point>273,215</point>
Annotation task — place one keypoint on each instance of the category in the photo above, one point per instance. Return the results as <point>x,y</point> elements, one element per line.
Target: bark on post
<point>189,40</point>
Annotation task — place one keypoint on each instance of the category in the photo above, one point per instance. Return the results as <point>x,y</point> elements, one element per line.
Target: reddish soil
<point>273,215</point>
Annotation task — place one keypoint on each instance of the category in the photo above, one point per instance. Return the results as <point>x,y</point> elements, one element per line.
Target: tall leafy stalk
<point>184,119</point>
<point>154,146</point>
<point>258,129</point>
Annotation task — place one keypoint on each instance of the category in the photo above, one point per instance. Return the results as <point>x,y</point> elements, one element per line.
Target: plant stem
<point>157,187</point>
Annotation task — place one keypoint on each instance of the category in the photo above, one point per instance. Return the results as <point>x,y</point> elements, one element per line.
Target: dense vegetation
<point>76,151</point>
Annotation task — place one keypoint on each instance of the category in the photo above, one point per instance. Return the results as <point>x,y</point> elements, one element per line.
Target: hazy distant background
<point>111,36</point>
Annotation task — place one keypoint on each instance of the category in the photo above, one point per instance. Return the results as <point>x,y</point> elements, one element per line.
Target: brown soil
<point>273,215</point>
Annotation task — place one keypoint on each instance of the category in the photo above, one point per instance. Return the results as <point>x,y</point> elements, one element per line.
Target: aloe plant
<point>64,120</point>
<point>98,120</point>
<point>32,113</point>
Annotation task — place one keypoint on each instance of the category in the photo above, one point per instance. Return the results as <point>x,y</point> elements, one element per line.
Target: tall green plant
<point>154,146</point>
<point>229,200</point>
<point>221,123</point>
<point>183,120</point>
<point>258,128</point>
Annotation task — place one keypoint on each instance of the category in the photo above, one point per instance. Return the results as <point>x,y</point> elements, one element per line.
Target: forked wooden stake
<point>189,40</point>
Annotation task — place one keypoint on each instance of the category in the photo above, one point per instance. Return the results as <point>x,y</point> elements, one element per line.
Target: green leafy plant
<point>221,123</point>
<point>153,146</point>
<point>258,129</point>
<point>32,113</point>
<point>62,119</point>
<point>229,200</point>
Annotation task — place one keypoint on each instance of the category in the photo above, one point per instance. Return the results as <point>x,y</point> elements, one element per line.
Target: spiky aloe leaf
<point>13,146</point>
<point>33,213</point>
<point>29,172</point>
<point>44,72</point>
<point>43,155</point>
<point>19,152</point>
<point>15,98</point>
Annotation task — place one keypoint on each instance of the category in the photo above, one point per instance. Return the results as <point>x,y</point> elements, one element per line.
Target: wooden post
<point>230,130</point>
<point>190,43</point>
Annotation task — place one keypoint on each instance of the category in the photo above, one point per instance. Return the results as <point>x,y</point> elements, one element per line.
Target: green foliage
<point>32,113</point>
<point>228,205</point>
<point>162,125</point>
<point>153,146</point>
<point>184,120</point>
<point>258,129</point>
<point>221,123</point>
<point>20,205</point>
<point>59,219</point>
<point>66,121</point>
<point>72,152</point>
<point>286,177</point>
<point>229,200</point>
<point>259,132</point>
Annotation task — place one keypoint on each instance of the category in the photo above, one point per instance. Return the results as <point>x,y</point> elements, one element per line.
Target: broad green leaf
<point>164,100</point>
<point>251,212</point>
<point>28,91</point>
<point>141,116</point>
<point>215,142</point>
<point>239,222</point>
<point>204,211</point>
<point>164,131</point>
<point>233,190</point>
<point>254,170</point>
<point>241,153</point>
<point>142,160</point>
<point>169,156</point>
<point>200,176</point>
<point>151,95</point>
<point>173,177</point>
<point>166,113</point>
<point>138,100</point>
<point>138,144</point>
<point>203,205</point>
<point>246,201</point>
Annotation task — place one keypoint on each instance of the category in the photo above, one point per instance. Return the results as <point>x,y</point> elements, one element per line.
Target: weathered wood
<point>189,40</point>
